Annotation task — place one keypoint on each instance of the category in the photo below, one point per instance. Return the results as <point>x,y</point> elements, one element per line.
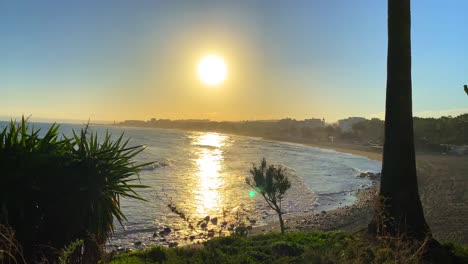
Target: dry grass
<point>10,251</point>
<point>404,249</point>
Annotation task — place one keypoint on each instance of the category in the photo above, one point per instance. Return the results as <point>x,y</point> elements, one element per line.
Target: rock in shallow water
<point>121,249</point>
<point>211,233</point>
<point>173,244</point>
<point>166,231</point>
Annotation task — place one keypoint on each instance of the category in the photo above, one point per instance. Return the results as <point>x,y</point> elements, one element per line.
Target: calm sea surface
<point>204,173</point>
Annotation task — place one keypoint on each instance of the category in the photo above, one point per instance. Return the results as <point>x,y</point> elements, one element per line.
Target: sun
<point>212,70</point>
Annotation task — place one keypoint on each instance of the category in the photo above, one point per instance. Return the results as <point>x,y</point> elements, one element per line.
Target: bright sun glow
<point>212,70</point>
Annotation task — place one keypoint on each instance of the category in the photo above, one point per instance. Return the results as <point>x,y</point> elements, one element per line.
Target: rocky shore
<point>442,182</point>
<point>349,218</point>
<point>443,185</point>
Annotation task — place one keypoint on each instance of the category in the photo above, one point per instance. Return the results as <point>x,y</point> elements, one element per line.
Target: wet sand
<point>443,187</point>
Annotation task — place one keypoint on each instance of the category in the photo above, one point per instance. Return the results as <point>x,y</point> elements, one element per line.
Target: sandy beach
<point>443,187</point>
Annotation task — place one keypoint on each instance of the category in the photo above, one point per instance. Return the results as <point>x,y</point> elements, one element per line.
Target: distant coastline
<point>370,152</point>
<point>355,135</point>
<point>444,203</point>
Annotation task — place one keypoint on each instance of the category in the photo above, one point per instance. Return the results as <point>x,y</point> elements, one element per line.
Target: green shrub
<point>460,251</point>
<point>384,255</point>
<point>293,247</point>
<point>57,190</point>
<point>284,248</point>
<point>156,254</point>
<point>72,253</point>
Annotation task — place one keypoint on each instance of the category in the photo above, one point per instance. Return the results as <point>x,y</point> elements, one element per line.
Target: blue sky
<point>115,60</point>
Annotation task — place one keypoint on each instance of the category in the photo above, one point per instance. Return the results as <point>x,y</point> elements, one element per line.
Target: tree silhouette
<point>401,205</point>
<point>272,183</point>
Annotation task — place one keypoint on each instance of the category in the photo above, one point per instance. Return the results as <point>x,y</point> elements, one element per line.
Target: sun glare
<point>212,70</point>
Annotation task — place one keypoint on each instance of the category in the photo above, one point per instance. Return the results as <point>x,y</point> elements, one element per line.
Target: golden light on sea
<point>209,162</point>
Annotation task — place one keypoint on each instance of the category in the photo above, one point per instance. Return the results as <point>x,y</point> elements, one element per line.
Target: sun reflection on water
<point>209,160</point>
<point>210,140</point>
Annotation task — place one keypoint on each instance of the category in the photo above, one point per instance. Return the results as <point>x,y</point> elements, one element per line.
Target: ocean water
<point>204,175</point>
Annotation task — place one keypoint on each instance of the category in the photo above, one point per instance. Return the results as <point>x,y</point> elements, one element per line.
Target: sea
<point>203,175</point>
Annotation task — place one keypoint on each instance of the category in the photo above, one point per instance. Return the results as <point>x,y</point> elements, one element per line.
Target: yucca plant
<point>24,157</point>
<point>105,169</point>
<point>55,190</point>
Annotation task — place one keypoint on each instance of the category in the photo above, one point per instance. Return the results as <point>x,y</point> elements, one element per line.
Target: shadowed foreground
<point>317,247</point>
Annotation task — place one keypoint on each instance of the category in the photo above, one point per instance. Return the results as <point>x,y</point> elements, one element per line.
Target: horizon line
<point>419,114</point>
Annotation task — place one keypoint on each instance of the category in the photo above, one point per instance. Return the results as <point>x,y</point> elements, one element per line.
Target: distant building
<point>193,120</point>
<point>346,125</point>
<point>134,123</point>
<point>313,122</point>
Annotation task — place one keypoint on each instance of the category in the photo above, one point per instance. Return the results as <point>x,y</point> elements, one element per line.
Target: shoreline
<point>349,218</point>
<point>442,181</point>
<point>355,149</point>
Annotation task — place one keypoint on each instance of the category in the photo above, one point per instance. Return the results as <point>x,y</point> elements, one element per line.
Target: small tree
<point>272,183</point>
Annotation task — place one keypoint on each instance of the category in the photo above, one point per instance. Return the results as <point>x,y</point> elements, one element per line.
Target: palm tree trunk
<point>399,187</point>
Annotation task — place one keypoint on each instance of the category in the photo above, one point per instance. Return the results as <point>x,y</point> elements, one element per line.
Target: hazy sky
<point>115,60</point>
